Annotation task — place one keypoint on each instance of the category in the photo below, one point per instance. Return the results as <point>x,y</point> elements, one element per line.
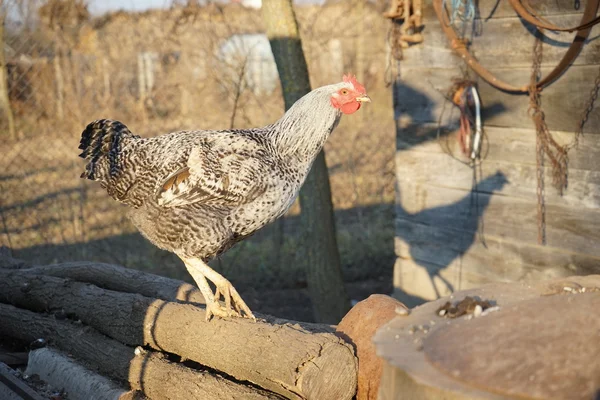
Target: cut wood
<point>537,341</point>
<point>77,381</point>
<point>281,357</point>
<point>8,262</point>
<point>115,360</point>
<point>12,388</point>
<point>108,356</point>
<point>160,378</point>
<point>121,279</point>
<point>14,359</point>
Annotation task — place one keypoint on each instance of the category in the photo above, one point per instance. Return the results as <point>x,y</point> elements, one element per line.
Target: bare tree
<point>324,276</point>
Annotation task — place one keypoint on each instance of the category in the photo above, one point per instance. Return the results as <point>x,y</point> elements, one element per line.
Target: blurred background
<point>160,66</point>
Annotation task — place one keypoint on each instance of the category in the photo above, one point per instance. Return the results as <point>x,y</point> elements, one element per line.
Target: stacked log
<point>149,334</point>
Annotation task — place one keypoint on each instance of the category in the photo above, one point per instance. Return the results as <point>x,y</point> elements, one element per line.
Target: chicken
<point>197,193</point>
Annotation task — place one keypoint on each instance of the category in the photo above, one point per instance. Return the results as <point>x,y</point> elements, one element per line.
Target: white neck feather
<point>306,126</point>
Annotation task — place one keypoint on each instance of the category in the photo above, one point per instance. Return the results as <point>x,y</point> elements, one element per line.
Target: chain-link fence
<point>187,66</point>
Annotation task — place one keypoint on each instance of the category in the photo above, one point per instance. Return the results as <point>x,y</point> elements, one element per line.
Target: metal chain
<point>585,115</point>
<point>534,112</point>
<point>546,146</point>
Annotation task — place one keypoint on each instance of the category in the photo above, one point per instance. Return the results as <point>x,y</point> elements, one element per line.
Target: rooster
<point>197,193</point>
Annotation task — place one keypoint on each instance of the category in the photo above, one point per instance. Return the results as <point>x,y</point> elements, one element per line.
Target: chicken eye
<point>344,92</point>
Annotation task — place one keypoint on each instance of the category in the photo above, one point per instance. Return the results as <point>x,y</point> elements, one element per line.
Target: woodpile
<point>148,336</point>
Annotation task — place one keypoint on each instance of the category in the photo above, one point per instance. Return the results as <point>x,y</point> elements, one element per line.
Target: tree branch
<point>121,279</point>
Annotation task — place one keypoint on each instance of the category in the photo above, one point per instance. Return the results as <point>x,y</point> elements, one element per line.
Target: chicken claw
<point>232,298</point>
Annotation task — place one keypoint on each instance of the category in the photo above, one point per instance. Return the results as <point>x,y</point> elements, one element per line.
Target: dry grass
<point>50,215</point>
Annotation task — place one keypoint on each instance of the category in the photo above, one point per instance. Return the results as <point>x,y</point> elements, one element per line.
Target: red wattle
<point>350,108</point>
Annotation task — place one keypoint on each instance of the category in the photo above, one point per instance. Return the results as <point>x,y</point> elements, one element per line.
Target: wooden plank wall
<point>451,236</point>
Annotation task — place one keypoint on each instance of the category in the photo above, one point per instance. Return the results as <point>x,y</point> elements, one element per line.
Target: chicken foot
<point>234,305</point>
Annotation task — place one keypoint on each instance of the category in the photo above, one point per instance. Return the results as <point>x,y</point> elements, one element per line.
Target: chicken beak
<point>363,99</point>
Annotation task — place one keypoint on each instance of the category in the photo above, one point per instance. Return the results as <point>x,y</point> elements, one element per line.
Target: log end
<point>330,375</point>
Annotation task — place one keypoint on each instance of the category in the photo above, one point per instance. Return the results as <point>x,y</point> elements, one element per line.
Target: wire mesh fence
<point>181,67</point>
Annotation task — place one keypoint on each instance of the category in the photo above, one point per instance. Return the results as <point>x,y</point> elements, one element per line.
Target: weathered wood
<point>583,191</point>
<point>108,356</point>
<point>11,388</point>
<point>427,269</point>
<point>543,348</point>
<point>417,281</point>
<point>520,350</point>
<point>440,220</point>
<point>421,99</point>
<point>283,358</point>
<point>77,381</point>
<point>159,378</point>
<point>14,359</point>
<point>502,9</point>
<point>510,145</point>
<point>121,279</point>
<point>567,227</point>
<point>513,49</point>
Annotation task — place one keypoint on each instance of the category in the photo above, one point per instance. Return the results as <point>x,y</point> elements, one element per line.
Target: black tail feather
<point>101,142</point>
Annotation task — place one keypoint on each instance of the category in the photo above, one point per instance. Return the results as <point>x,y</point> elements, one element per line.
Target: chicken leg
<point>200,272</point>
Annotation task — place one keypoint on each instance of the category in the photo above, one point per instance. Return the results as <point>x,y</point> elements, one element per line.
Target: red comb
<point>357,86</point>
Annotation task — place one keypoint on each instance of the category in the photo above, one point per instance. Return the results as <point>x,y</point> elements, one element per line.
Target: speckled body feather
<point>197,193</point>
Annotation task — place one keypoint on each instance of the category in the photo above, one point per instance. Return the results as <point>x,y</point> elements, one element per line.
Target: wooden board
<point>420,98</point>
<point>567,227</point>
<point>447,259</point>
<point>515,48</point>
<point>439,219</point>
<point>441,170</point>
<point>512,145</point>
<point>12,388</point>
<point>502,9</point>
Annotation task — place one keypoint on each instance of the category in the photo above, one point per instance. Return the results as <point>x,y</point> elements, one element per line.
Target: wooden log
<point>114,359</point>
<point>14,359</point>
<point>108,356</point>
<point>76,380</point>
<point>539,343</point>
<point>12,388</point>
<point>160,378</point>
<point>121,279</point>
<point>8,262</point>
<point>281,357</point>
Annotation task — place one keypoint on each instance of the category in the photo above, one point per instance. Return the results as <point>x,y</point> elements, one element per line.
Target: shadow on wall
<point>469,209</point>
<point>416,121</point>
